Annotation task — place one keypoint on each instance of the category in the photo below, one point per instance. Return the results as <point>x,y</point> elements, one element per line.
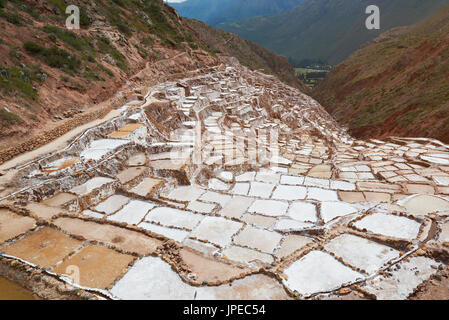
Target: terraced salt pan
<point>272,208</point>
<point>170,217</point>
<point>292,180</point>
<point>436,160</point>
<point>226,176</point>
<point>424,204</point>
<point>342,185</point>
<point>290,244</point>
<point>444,234</point>
<point>93,214</point>
<point>89,186</point>
<point>318,272</point>
<point>240,189</point>
<point>219,185</point>
<point>216,230</point>
<point>390,225</point>
<point>133,212</point>
<point>201,207</point>
<point>146,187</point>
<point>245,177</point>
<point>112,204</point>
<point>361,253</point>
<point>289,225</point>
<point>322,194</point>
<point>267,176</point>
<point>185,193</point>
<point>403,281</point>
<point>289,193</point>
<point>245,255</point>
<point>137,160</point>
<point>303,211</point>
<point>152,279</point>
<point>441,180</point>
<point>332,210</point>
<point>263,240</point>
<point>60,164</point>
<point>261,189</point>
<point>59,199</point>
<point>236,207</point>
<point>254,287</point>
<point>316,182</point>
<point>99,148</point>
<point>175,234</point>
<point>216,197</point>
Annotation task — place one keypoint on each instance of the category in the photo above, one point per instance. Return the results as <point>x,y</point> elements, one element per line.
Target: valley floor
<point>228,185</point>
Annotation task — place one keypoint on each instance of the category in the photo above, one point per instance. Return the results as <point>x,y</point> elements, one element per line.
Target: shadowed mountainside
<point>395,85</point>
<point>329,30</point>
<point>214,12</point>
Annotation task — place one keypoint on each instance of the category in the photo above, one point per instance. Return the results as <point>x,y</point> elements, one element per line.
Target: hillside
<point>395,85</point>
<point>214,12</point>
<point>248,53</point>
<point>53,79</point>
<point>329,30</point>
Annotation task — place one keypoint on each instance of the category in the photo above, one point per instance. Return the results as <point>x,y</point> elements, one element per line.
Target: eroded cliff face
<point>395,85</point>
<point>226,184</point>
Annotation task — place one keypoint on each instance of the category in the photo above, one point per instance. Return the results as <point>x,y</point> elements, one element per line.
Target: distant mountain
<point>329,30</point>
<point>398,84</point>
<point>249,54</point>
<point>214,12</point>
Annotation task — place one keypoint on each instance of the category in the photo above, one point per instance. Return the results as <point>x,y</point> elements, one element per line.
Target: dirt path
<point>58,143</point>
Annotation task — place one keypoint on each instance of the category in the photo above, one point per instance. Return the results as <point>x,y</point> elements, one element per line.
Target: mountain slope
<point>49,73</point>
<point>214,12</point>
<point>248,53</point>
<point>329,30</point>
<point>398,84</point>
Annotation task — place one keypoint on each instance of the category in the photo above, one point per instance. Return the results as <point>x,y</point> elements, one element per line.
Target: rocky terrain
<point>227,184</point>
<point>395,85</point>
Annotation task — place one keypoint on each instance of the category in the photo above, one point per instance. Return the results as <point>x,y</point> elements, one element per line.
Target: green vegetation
<point>20,80</point>
<point>8,118</point>
<point>29,9</point>
<point>59,5</point>
<point>54,57</point>
<point>72,40</point>
<point>105,46</point>
<point>311,77</point>
<point>12,17</point>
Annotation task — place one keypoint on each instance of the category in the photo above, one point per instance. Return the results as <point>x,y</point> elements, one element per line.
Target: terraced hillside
<point>395,85</point>
<point>228,185</point>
